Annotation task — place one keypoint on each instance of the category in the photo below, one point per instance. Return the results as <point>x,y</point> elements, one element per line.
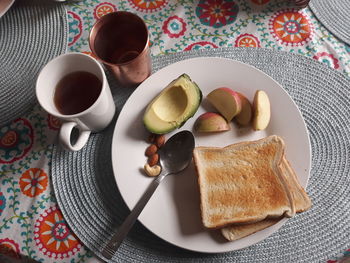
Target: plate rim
<point>6,8</point>
<point>281,222</point>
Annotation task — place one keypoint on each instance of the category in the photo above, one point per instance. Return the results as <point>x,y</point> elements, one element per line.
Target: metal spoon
<point>175,156</point>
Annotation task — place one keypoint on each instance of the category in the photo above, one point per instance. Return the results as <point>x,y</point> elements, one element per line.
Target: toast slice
<point>242,183</point>
<point>301,201</point>
<point>235,232</point>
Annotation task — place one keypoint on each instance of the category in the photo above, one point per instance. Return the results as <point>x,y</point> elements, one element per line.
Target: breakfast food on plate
<point>150,150</point>
<point>159,140</point>
<point>301,201</point>
<point>173,106</point>
<point>262,111</point>
<point>152,168</point>
<point>235,232</point>
<point>226,101</point>
<point>233,105</point>
<point>153,159</point>
<point>247,183</point>
<point>242,183</point>
<point>211,122</point>
<point>245,116</point>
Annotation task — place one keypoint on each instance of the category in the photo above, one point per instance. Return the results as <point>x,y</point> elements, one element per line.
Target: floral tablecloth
<point>31,224</point>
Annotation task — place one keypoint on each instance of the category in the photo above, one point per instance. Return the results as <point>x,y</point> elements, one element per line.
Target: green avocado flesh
<point>176,103</point>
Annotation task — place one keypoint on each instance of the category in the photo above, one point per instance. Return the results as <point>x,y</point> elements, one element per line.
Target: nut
<point>152,149</point>
<point>152,138</point>
<point>160,140</point>
<point>152,170</point>
<point>153,159</point>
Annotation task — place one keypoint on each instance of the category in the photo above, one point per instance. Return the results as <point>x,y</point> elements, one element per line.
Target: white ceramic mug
<point>93,119</point>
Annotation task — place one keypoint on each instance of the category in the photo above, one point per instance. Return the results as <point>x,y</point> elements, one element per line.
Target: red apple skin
<point>226,101</point>
<point>244,118</point>
<point>211,122</point>
<point>232,92</point>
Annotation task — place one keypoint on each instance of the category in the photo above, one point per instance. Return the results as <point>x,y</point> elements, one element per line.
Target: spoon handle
<point>124,229</point>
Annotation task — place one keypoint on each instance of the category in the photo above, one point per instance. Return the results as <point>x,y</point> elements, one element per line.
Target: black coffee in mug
<point>76,92</point>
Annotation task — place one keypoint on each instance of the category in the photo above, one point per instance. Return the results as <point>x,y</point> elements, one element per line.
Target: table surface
<point>26,195</point>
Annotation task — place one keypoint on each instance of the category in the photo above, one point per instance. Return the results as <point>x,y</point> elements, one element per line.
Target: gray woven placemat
<point>334,15</point>
<point>91,204</point>
<point>31,33</point>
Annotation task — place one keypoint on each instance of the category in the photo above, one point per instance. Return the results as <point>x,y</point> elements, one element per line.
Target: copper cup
<point>301,3</point>
<point>120,41</point>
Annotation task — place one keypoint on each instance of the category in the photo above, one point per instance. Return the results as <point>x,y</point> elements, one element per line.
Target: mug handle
<point>65,135</point>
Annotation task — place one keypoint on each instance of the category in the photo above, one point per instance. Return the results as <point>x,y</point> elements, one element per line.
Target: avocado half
<point>176,103</point>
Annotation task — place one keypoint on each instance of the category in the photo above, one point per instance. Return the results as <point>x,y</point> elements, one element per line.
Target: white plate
<point>173,211</point>
<point>5,6</point>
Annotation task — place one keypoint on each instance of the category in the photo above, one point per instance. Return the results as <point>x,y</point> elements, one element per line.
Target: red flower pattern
<point>291,27</point>
<point>104,9</point>
<point>200,45</point>
<point>247,40</point>
<point>217,13</point>
<point>327,58</point>
<point>174,27</point>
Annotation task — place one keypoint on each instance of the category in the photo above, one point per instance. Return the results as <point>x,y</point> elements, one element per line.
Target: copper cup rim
<point>94,30</point>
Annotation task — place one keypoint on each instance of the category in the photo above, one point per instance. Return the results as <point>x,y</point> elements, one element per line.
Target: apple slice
<point>262,110</point>
<point>211,122</point>
<point>226,101</point>
<point>245,116</point>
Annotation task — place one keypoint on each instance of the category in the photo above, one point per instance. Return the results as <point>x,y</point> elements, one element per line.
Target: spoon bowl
<point>176,153</point>
<point>175,156</point>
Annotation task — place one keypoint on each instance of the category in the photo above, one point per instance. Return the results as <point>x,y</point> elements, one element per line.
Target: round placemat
<point>91,203</point>
<point>334,15</point>
<point>31,33</point>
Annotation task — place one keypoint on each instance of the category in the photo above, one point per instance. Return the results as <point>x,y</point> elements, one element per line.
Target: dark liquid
<point>121,39</point>
<point>76,92</point>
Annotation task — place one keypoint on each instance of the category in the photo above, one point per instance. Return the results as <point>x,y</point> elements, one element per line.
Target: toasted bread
<point>242,183</point>
<point>301,201</point>
<point>235,232</point>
